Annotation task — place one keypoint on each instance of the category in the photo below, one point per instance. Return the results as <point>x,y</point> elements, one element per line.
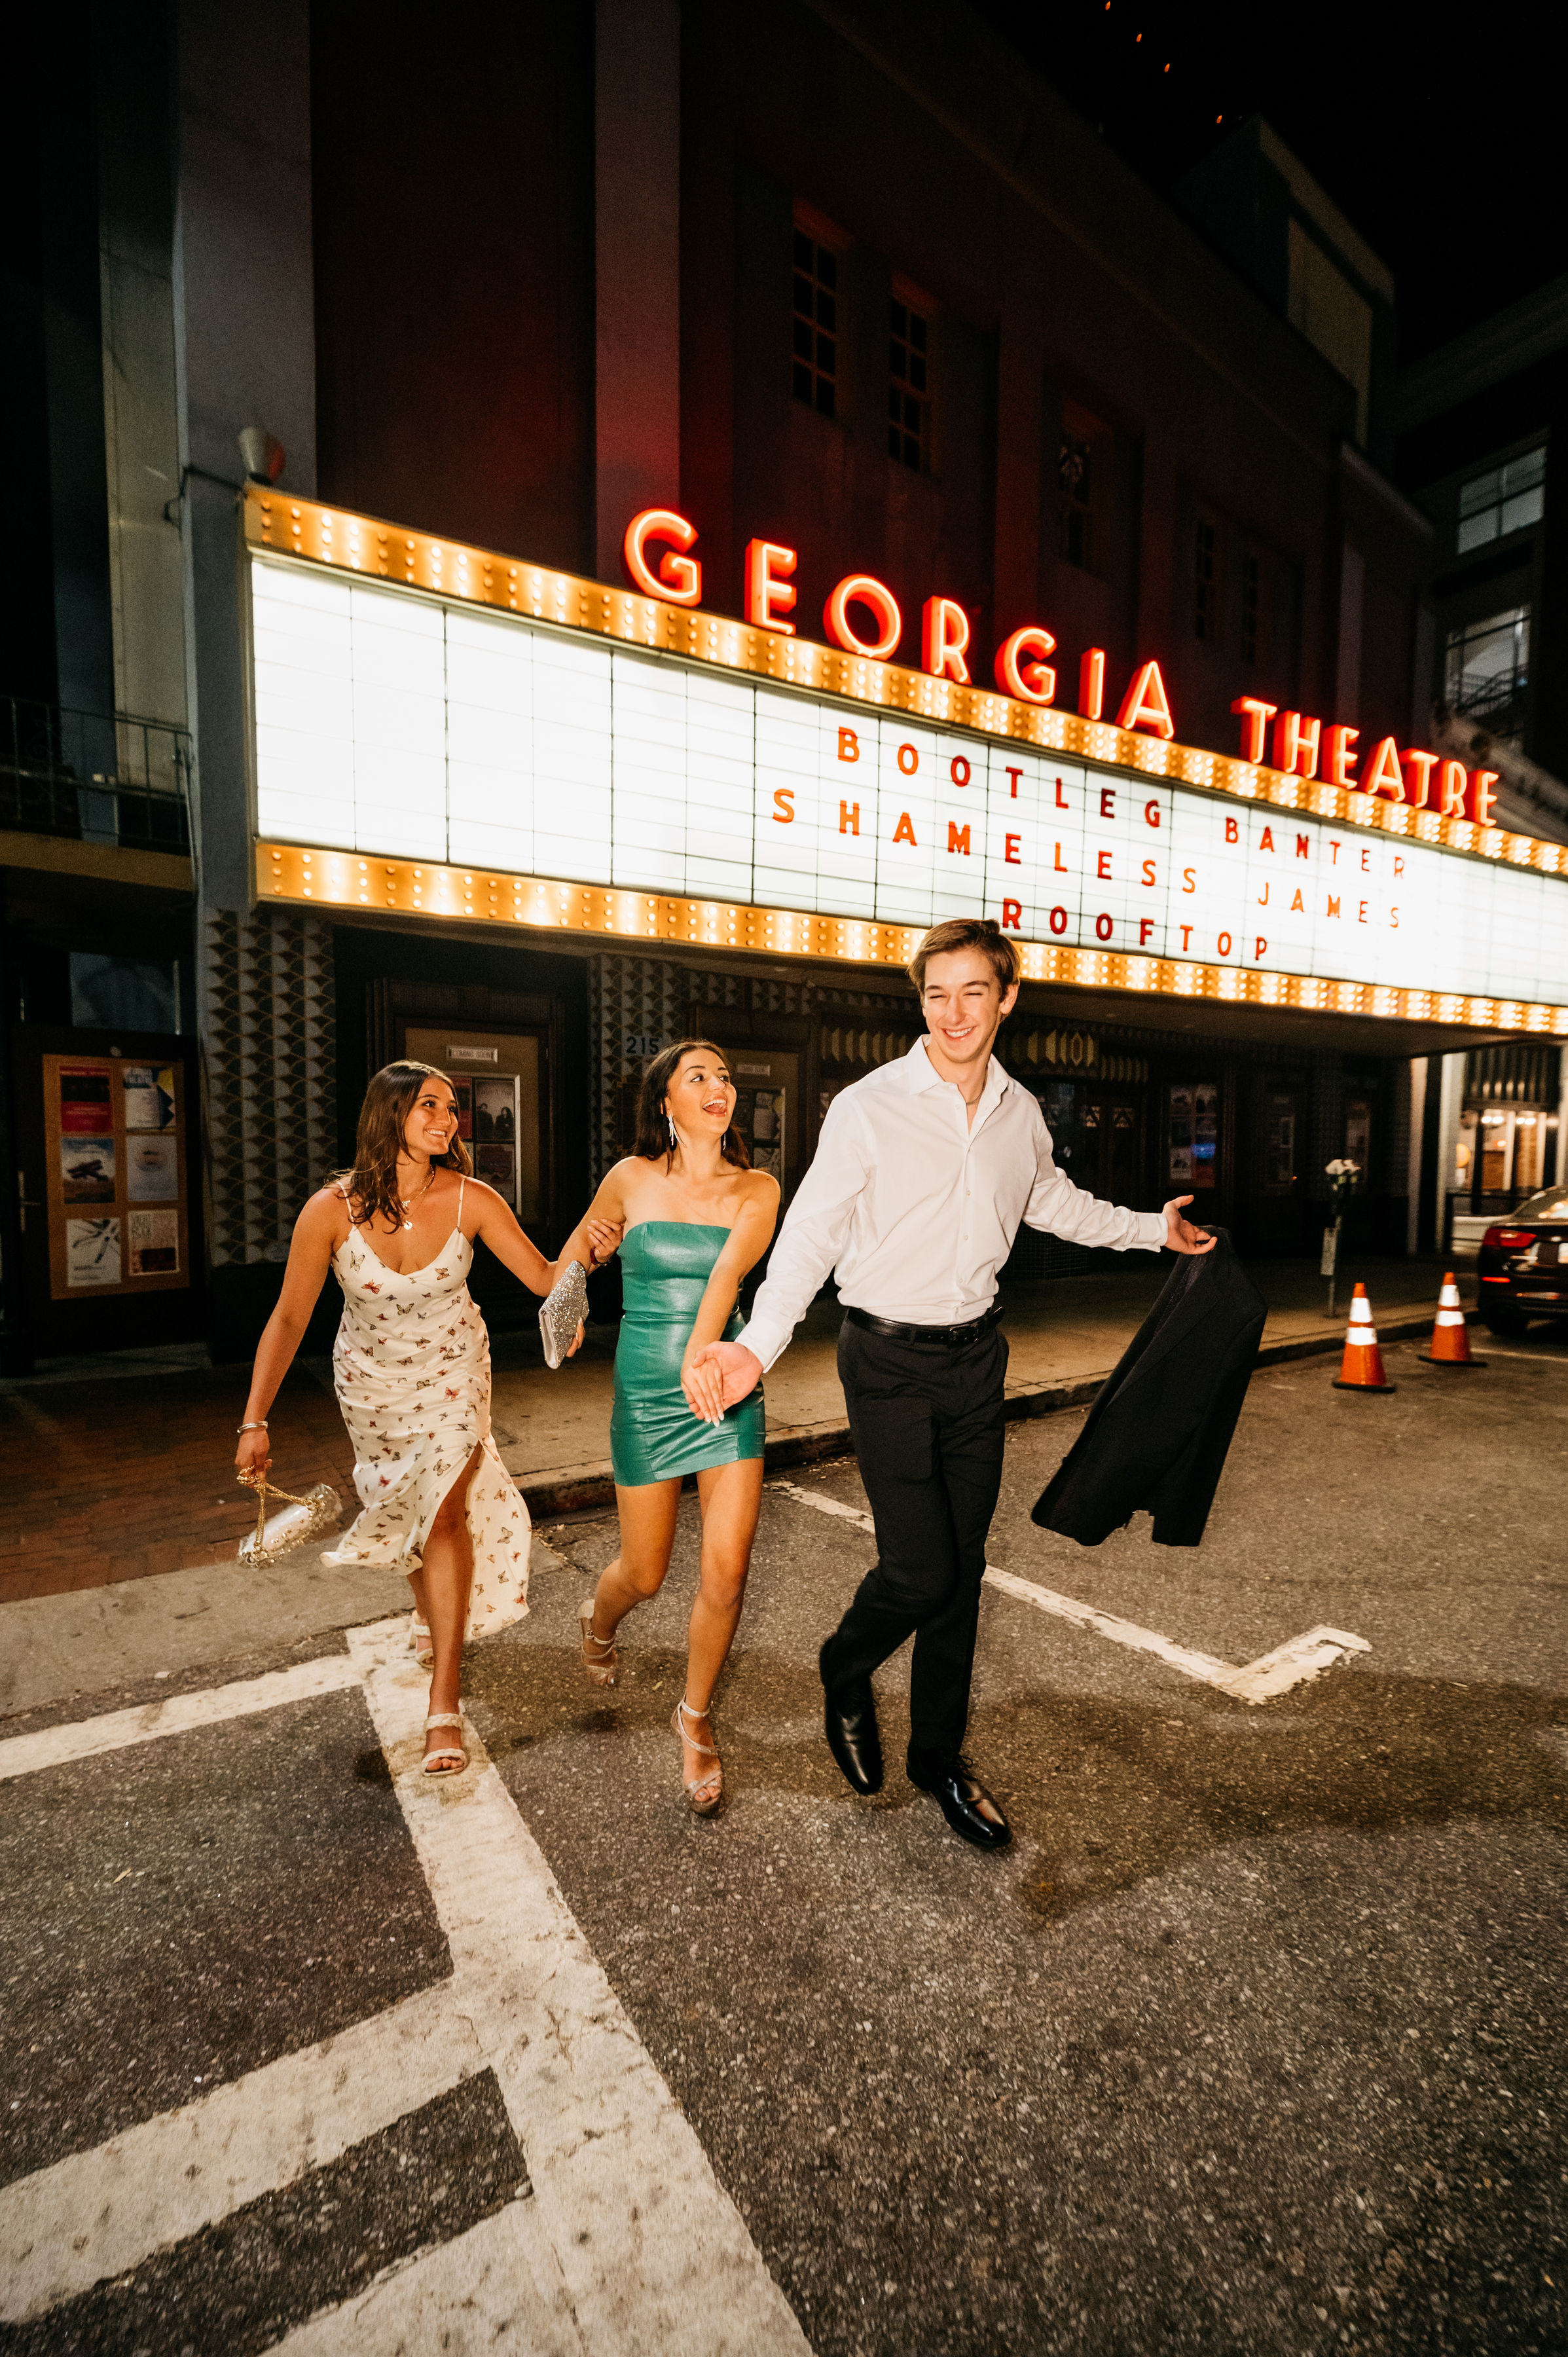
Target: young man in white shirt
<point>922,1175</point>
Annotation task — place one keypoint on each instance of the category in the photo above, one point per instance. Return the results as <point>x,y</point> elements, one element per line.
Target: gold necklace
<point>413,1200</point>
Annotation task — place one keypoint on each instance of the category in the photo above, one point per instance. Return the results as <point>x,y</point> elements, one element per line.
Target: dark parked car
<point>1524,1263</point>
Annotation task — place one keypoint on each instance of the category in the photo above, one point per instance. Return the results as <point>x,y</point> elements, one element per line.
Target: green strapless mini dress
<point>665,1267</point>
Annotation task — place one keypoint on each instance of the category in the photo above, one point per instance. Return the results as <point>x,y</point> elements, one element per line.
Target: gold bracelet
<point>253,1428</point>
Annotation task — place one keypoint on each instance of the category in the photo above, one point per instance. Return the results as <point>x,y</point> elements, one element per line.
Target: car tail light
<point>1507,1238</point>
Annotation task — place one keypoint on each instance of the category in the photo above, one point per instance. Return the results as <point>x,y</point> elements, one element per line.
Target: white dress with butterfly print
<point>412,1369</point>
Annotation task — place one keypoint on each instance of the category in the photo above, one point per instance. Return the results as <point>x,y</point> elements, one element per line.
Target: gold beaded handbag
<point>319,1511</point>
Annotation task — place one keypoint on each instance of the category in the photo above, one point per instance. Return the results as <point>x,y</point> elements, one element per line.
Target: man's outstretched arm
<point>1060,1209</point>
<point>1180,1234</point>
<point>815,1229</point>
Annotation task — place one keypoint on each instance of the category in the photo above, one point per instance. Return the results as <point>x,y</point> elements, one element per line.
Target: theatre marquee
<point>448,733</point>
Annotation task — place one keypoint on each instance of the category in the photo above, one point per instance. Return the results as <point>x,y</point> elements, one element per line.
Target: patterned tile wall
<point>642,999</point>
<point>269,1036</point>
<point>630,998</point>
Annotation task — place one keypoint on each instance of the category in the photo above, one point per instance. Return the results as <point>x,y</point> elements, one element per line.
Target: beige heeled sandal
<point>419,1642</point>
<point>600,1658</point>
<point>705,1793</point>
<point>445,1750</point>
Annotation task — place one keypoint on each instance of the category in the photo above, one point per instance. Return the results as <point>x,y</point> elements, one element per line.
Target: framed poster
<point>115,1136</point>
<point>497,1078</point>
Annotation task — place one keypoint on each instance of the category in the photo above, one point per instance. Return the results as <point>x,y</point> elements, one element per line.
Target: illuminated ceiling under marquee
<point>547,762</point>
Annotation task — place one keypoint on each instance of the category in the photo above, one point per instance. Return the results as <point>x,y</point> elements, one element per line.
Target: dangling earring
<point>675,1133</point>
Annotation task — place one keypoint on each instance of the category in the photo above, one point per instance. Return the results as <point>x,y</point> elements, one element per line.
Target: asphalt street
<point>1252,2041</point>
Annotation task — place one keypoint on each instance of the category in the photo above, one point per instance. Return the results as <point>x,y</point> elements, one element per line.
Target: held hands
<point>1180,1234</point>
<point>717,1377</point>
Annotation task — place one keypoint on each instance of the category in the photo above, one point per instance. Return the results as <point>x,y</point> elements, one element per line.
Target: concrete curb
<point>578,1489</point>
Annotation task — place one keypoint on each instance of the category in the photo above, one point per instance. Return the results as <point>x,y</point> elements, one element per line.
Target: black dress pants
<point>926,1421</point>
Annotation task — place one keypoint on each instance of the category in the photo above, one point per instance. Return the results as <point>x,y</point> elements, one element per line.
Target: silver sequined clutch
<point>561,1312</point>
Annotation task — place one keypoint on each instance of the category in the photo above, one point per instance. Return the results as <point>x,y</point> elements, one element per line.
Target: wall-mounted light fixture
<point>263,453</point>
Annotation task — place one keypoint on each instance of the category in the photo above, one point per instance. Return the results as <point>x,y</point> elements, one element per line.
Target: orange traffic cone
<point>1361,1368</point>
<point>1450,1336</point>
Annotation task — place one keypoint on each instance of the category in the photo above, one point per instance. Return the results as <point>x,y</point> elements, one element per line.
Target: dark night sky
<point>1440,144</point>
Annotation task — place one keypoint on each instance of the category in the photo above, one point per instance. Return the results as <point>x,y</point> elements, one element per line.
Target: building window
<point>816,360</point>
<point>1488,667</point>
<point>1251,607</point>
<point>1076,474</point>
<point>1502,501</point>
<point>1084,472</point>
<point>908,386</point>
<point>1205,579</point>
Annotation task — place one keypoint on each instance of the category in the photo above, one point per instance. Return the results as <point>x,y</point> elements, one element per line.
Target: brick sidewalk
<point>116,1477</point>
<point>121,1477</point>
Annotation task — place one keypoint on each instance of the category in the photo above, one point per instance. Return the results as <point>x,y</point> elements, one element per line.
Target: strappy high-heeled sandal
<point>600,1659</point>
<point>419,1640</point>
<point>445,1750</point>
<point>705,1793</point>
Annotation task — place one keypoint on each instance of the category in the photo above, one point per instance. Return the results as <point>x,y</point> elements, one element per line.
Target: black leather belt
<point>954,1336</point>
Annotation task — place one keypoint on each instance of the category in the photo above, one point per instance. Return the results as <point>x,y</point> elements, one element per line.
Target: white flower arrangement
<point>1344,1177</point>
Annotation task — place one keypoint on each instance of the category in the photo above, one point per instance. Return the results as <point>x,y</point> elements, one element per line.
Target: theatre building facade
<point>650,608</point>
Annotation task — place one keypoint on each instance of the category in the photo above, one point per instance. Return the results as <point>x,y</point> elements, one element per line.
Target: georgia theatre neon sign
<point>1022,669</point>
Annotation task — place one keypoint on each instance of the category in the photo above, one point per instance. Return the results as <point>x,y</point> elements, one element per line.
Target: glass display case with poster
<point>152,1170</point>
<point>497,1078</point>
<point>87,1169</point>
<point>767,1111</point>
<point>115,1137</point>
<point>1280,1130</point>
<point>495,1134</point>
<point>1358,1133</point>
<point>154,1239</point>
<point>149,1096</point>
<point>463,1090</point>
<point>92,1253</point>
<point>86,1100</point>
<point>1193,1135</point>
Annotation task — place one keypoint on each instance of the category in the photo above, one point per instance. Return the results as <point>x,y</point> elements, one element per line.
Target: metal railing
<point>94,777</point>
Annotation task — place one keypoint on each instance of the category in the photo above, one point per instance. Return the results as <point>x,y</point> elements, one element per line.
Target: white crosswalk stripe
<point>98,2213</point>
<point>654,2253</point>
<point>54,1747</point>
<point>627,2243</point>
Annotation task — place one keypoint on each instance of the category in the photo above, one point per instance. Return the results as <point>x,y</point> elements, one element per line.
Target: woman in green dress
<point>695,1218</point>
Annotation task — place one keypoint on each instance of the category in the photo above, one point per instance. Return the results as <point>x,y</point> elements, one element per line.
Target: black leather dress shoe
<point>968,1807</point>
<point>849,1718</point>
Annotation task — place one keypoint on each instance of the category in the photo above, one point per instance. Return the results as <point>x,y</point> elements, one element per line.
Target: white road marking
<point>495,2287</point>
<point>98,2213</point>
<point>653,2254</point>
<point>1289,1665</point>
<point>53,1747</point>
<point>628,2243</point>
<point>1489,1350</point>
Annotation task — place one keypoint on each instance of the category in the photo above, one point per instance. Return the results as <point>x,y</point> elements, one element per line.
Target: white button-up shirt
<point>916,1207</point>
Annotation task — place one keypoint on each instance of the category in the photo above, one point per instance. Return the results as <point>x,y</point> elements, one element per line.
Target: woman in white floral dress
<point>411,1368</point>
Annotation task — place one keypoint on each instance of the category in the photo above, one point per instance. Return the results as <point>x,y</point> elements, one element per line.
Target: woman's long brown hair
<point>371,1184</point>
<point>653,1121</point>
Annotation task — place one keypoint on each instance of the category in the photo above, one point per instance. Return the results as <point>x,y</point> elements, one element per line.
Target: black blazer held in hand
<point>1157,1436</point>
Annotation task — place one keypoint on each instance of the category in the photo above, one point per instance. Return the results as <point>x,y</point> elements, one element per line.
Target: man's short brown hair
<point>982,933</point>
